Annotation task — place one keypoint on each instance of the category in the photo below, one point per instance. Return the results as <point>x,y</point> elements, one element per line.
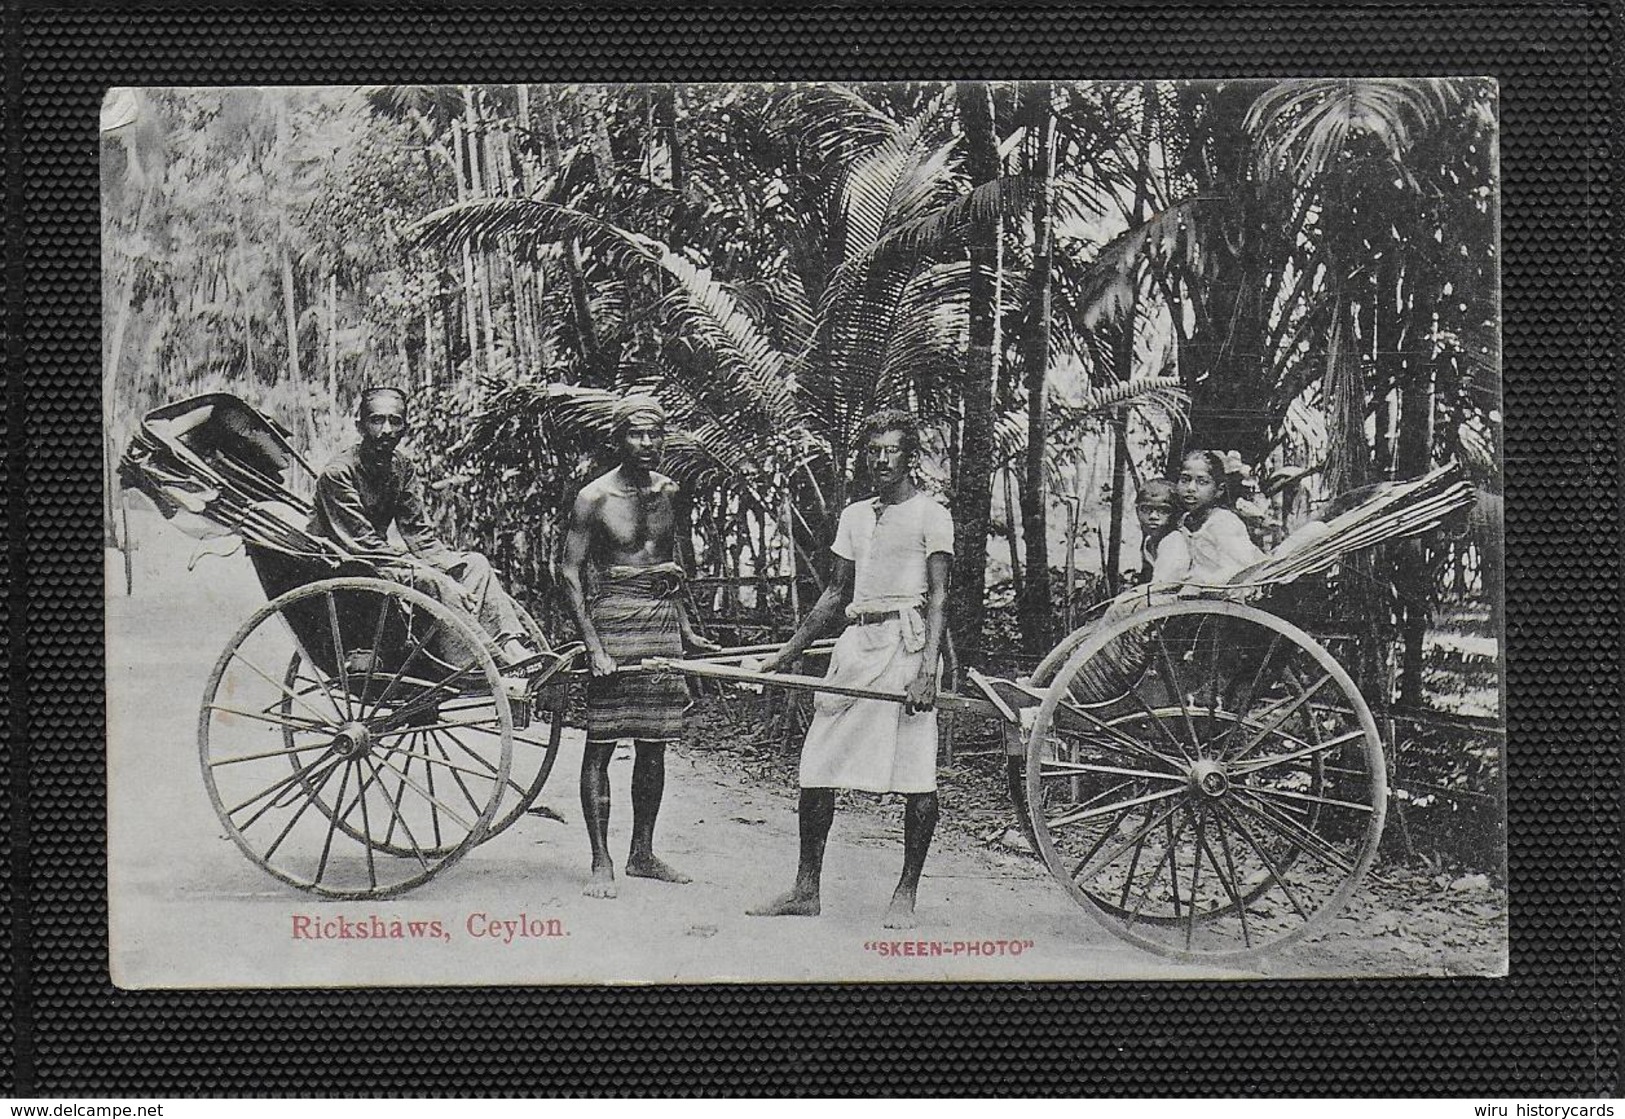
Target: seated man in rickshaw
<point>374,484</point>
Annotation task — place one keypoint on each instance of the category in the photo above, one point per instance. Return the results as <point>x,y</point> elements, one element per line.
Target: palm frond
<point>1161,392</point>
<point>943,227</point>
<point>926,347</point>
<point>831,121</point>
<point>890,183</point>
<point>1103,289</point>
<point>582,415</point>
<point>710,314</point>
<point>1303,126</point>
<point>479,222</point>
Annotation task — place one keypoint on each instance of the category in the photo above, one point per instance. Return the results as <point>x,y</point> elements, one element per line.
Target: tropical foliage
<point>1069,283</point>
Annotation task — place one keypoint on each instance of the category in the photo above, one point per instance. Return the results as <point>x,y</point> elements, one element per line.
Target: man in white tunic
<point>892,558</point>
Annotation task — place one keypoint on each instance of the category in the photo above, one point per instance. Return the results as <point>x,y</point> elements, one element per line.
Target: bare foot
<point>647,866</point>
<point>900,914</point>
<point>792,904</point>
<point>601,884</point>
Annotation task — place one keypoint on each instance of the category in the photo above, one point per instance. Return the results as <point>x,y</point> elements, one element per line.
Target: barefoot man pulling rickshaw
<point>892,558</point>
<point>624,525</point>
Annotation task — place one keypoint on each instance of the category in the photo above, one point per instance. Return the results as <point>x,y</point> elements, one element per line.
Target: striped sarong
<point>637,612</point>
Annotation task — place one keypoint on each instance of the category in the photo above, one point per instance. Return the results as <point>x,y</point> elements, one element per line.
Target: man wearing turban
<point>626,589</point>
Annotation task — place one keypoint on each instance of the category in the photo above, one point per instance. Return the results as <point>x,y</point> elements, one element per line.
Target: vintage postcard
<point>803,532</point>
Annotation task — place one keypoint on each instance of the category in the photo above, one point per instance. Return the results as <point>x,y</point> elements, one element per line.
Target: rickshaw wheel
<point>358,774</point>
<point>534,749</point>
<point>1205,780</point>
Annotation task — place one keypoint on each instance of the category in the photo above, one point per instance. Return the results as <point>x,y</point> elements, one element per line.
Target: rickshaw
<point>1199,773</point>
<point>356,736</point>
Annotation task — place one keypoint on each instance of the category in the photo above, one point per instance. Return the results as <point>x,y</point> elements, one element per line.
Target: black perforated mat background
<point>1551,1029</point>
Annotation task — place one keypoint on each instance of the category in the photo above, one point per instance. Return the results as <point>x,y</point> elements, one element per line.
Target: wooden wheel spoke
<point>294,819</point>
<point>428,795</point>
<point>1200,819</point>
<point>406,828</point>
<point>473,801</point>
<point>1156,873</point>
<point>276,705</point>
<point>372,658</point>
<point>475,704</point>
<point>366,821</point>
<point>1275,872</point>
<point>434,812</point>
<point>1293,831</point>
<point>418,649</point>
<point>1244,704</point>
<point>1107,793</point>
<point>1092,723</point>
<point>284,752</point>
<point>395,808</point>
<point>457,778</point>
<point>1231,884</point>
<point>483,727</point>
<point>1309,749</point>
<point>443,762</point>
<point>1307,798</point>
<point>333,824</point>
<point>361,788</point>
<point>274,790</point>
<point>1058,768</point>
<point>1078,816</point>
<point>427,699</point>
<point>1281,714</point>
<point>338,655</point>
<point>414,728</point>
<point>1128,844</point>
<point>1213,705</point>
<point>1170,680</point>
<point>291,722</point>
<point>237,654</point>
<point>488,726</point>
<point>491,768</point>
<point>1162,726</point>
<point>1105,833</point>
<point>1134,864</point>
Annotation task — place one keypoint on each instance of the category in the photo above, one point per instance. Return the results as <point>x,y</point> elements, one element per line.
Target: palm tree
<point>1391,167</point>
<point>862,303</point>
<point>973,493</point>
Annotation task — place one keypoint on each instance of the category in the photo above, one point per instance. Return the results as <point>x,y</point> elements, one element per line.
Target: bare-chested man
<point>626,524</point>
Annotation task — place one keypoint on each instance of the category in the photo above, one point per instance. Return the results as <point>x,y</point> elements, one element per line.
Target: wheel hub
<point>1209,779</point>
<point>352,741</point>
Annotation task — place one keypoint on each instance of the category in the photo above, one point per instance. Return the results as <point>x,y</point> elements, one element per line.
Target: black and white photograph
<point>815,532</point>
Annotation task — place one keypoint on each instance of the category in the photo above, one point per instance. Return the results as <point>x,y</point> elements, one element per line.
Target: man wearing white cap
<point>623,531</point>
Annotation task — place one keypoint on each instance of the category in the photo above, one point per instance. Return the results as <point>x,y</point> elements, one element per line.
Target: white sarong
<point>871,744</point>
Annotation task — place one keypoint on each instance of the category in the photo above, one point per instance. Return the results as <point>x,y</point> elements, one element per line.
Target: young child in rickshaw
<point>1157,508</point>
<point>1211,544</point>
<point>1205,547</point>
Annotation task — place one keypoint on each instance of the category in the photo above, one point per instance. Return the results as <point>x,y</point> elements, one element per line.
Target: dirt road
<point>188,909</point>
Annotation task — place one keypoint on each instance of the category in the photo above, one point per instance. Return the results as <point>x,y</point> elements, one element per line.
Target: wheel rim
<point>535,747</point>
<point>355,775</point>
<point>1205,780</point>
